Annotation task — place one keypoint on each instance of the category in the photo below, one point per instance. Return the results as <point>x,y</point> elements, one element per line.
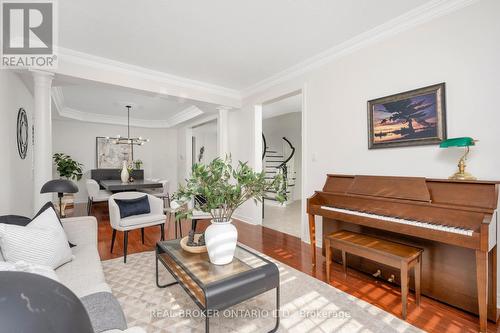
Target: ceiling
<point>282,106</point>
<point>231,43</point>
<point>96,102</point>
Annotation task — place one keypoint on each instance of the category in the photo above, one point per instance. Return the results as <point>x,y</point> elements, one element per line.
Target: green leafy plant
<point>67,167</point>
<point>130,169</point>
<point>223,188</point>
<point>138,164</point>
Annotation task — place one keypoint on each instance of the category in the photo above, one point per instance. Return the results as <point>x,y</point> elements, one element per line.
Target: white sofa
<point>84,274</point>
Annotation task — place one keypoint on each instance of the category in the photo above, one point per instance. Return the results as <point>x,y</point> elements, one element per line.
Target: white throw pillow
<point>22,266</point>
<point>42,242</point>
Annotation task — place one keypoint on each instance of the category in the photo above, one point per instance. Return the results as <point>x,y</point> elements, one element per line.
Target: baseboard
<point>245,219</point>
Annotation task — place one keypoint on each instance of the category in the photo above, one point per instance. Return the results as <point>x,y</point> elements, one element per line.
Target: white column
<point>222,133</point>
<point>42,147</point>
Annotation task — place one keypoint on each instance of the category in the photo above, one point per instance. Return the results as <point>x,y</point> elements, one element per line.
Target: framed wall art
<point>411,118</point>
<point>110,155</point>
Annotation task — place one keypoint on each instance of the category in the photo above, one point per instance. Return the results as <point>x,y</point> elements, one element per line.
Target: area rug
<point>307,304</point>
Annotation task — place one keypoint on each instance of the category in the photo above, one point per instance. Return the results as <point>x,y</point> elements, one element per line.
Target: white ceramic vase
<point>124,175</point>
<point>220,238</point>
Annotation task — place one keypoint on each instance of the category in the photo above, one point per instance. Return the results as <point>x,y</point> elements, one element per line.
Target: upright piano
<point>455,222</point>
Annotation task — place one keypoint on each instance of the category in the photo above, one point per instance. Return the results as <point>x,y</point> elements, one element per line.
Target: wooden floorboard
<point>431,316</point>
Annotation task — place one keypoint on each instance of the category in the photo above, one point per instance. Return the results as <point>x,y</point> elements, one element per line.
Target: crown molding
<point>80,58</point>
<point>89,117</point>
<point>71,113</point>
<point>422,14</point>
<point>185,115</point>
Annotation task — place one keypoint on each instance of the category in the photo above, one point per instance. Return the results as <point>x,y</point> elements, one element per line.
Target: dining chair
<point>95,194</point>
<point>141,221</point>
<point>162,193</point>
<point>178,207</point>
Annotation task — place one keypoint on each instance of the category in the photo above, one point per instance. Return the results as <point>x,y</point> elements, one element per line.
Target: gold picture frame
<point>412,118</point>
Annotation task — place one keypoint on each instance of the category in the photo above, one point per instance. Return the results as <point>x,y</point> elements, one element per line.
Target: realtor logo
<point>28,32</point>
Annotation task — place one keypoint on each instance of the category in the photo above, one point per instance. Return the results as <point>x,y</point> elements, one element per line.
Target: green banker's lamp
<point>460,142</point>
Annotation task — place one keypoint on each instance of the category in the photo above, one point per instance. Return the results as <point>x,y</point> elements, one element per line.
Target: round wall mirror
<point>22,133</point>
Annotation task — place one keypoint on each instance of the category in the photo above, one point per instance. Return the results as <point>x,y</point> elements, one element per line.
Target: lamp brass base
<point>462,176</point>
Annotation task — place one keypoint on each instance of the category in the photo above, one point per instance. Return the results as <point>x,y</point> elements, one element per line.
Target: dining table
<point>116,185</point>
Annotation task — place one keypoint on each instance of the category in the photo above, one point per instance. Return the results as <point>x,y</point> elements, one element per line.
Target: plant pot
<point>220,238</point>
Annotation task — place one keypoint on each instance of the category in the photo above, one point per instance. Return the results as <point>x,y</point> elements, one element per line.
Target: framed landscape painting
<point>412,118</point>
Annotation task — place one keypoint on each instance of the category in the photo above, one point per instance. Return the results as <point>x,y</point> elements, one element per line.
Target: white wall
<point>461,49</point>
<point>289,126</point>
<point>77,139</point>
<point>244,136</point>
<point>206,136</point>
<point>16,192</point>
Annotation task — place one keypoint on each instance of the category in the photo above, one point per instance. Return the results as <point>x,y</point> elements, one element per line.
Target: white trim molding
<point>413,18</point>
<point>87,66</point>
<point>96,68</point>
<point>187,114</point>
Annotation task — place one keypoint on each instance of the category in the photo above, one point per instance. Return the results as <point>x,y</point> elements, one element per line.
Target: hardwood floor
<point>432,316</point>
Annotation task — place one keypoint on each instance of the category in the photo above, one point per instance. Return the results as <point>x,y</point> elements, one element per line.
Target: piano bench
<point>385,252</point>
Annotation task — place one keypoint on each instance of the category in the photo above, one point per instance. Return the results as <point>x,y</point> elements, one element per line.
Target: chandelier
<point>119,140</point>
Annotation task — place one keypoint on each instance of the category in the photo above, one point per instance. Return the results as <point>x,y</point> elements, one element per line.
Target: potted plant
<point>224,188</point>
<point>69,169</point>
<point>138,164</point>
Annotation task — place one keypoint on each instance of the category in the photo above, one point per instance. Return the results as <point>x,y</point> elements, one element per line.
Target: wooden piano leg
<point>482,288</point>
<point>312,237</point>
<point>404,289</point>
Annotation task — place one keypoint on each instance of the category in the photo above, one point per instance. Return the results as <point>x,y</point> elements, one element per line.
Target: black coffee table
<point>214,288</point>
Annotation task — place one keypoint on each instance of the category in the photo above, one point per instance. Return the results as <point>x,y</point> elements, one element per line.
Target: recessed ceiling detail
<point>103,104</point>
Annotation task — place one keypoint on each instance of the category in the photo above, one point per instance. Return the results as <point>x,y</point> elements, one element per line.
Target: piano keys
<point>420,224</point>
<point>455,222</point>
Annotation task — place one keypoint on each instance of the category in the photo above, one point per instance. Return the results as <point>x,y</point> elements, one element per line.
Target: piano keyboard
<point>421,224</point>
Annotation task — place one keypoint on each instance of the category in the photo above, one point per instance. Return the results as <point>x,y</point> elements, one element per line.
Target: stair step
<point>275,161</point>
<point>277,156</point>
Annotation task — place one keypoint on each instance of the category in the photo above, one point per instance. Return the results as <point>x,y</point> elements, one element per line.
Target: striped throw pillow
<point>42,242</point>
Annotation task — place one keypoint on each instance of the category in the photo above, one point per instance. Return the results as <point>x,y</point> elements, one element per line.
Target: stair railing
<point>282,167</point>
<point>264,146</point>
<point>289,157</point>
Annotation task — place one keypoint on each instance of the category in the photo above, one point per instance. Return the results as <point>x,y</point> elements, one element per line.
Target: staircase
<point>279,161</point>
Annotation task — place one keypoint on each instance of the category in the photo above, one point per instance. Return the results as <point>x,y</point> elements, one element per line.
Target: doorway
<point>282,153</point>
<point>204,144</point>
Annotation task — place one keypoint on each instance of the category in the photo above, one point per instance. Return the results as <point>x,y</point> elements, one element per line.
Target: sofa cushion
<point>50,205</point>
<point>43,241</point>
<point>15,220</point>
<point>24,221</point>
<point>83,275</point>
<point>135,206</point>
<point>104,311</point>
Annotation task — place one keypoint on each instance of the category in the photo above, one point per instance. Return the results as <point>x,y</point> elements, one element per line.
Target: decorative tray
<point>193,249</point>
